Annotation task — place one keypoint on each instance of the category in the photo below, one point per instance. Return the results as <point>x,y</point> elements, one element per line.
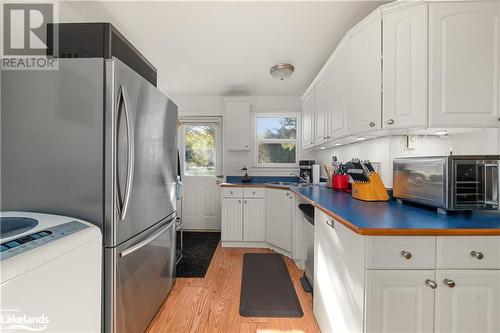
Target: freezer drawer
<point>142,272</point>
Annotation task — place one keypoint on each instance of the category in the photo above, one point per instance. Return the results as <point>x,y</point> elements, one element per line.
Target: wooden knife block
<point>373,190</point>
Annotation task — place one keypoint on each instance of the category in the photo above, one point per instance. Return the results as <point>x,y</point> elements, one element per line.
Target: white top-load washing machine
<point>50,273</point>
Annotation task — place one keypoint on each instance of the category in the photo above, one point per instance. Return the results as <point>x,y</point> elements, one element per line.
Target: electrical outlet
<point>411,142</point>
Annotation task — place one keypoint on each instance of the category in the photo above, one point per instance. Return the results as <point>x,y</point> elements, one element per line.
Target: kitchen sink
<point>290,184</point>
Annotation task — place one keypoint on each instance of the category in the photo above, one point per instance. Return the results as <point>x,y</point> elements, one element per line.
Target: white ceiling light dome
<point>281,71</point>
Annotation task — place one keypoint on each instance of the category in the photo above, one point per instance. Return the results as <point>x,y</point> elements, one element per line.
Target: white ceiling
<point>228,47</point>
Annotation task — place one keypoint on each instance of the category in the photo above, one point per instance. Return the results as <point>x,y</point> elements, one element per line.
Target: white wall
<point>213,105</point>
<point>384,150</point>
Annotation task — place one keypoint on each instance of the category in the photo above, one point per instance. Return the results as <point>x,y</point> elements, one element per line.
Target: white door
<point>405,68</point>
<point>254,220</point>
<point>400,301</point>
<point>278,224</point>
<point>338,125</point>
<point>464,45</point>
<point>366,76</point>
<point>308,105</point>
<point>232,219</point>
<point>468,301</point>
<point>200,155</point>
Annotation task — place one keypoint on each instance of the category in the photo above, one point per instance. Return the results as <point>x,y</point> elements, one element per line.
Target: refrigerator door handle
<point>130,153</point>
<point>148,240</point>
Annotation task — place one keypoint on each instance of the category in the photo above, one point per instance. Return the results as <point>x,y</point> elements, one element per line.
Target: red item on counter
<point>341,182</point>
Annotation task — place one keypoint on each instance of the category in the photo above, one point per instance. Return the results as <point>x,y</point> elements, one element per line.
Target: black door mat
<point>266,287</point>
<point>199,248</point>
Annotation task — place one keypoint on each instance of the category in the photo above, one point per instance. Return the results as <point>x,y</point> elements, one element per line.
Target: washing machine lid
<point>14,225</point>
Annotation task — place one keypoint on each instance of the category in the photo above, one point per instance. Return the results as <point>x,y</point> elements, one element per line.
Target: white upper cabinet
<point>323,107</point>
<point>405,68</point>
<point>366,75</point>
<point>236,125</point>
<point>463,64</point>
<point>338,125</point>
<point>308,106</point>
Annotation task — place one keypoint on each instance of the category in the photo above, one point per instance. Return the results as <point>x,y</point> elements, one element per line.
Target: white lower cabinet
<point>232,219</point>
<point>254,220</point>
<point>386,284</point>
<point>280,218</point>
<point>400,301</point>
<point>243,220</point>
<point>468,301</point>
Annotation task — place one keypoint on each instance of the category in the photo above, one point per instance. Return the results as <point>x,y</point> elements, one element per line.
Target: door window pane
<point>199,147</point>
<point>276,153</point>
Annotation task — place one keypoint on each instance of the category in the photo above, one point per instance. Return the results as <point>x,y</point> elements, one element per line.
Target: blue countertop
<point>392,218</point>
<point>385,216</point>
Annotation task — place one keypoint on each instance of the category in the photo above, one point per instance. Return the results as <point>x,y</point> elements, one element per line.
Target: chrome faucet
<point>305,180</point>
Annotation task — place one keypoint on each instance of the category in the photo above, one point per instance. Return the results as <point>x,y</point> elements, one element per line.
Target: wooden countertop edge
<point>381,231</point>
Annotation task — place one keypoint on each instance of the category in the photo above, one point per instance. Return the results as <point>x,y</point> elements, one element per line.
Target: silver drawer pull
<point>406,254</point>
<point>372,124</point>
<point>478,255</point>
<point>253,192</point>
<point>330,223</point>
<point>449,283</point>
<point>432,284</point>
<point>231,192</point>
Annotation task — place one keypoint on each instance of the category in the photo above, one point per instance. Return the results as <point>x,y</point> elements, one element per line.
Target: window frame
<point>257,141</point>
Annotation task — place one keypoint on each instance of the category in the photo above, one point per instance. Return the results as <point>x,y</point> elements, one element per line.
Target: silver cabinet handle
<point>449,283</point>
<point>253,192</point>
<point>406,254</point>
<point>390,121</point>
<point>122,99</point>
<point>432,284</point>
<point>372,124</point>
<point>245,201</point>
<point>231,192</point>
<point>330,223</point>
<point>478,255</point>
<point>147,240</point>
<point>239,201</point>
<point>287,194</point>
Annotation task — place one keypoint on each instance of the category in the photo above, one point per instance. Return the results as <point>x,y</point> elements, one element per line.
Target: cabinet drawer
<point>232,192</point>
<point>253,192</point>
<point>468,252</point>
<point>407,252</point>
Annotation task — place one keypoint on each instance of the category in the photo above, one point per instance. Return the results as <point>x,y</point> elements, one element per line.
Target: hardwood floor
<point>211,304</point>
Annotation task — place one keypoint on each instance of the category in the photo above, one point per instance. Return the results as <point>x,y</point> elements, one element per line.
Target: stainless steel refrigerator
<point>96,141</point>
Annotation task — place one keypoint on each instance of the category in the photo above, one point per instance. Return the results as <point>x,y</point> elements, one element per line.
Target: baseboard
<point>244,244</point>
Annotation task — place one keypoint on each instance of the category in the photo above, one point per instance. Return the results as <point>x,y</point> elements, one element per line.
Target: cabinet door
<point>338,276</point>
<point>338,125</point>
<point>366,75</point>
<point>399,301</point>
<point>323,107</point>
<point>278,223</point>
<point>232,219</point>
<point>405,68</point>
<point>464,64</point>
<point>236,121</point>
<point>254,220</point>
<point>308,105</point>
<point>470,302</point>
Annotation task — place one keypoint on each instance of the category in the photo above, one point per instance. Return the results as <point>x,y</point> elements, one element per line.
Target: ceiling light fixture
<point>281,71</point>
<point>360,139</point>
<point>322,148</point>
<point>441,133</point>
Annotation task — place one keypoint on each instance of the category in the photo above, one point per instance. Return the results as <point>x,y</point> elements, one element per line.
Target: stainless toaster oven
<point>448,182</point>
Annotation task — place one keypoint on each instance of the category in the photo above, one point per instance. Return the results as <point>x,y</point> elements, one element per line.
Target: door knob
<point>372,124</point>
<point>449,283</point>
<point>476,254</point>
<point>432,284</point>
<point>390,121</point>
<point>406,254</point>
